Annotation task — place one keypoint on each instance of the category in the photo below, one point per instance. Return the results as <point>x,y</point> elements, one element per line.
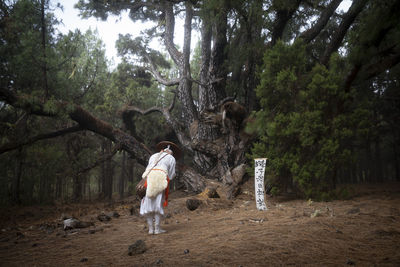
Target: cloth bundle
<point>156,182</point>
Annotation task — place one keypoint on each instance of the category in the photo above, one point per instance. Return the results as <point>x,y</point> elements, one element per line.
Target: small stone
<point>186,251</point>
<point>70,223</point>
<point>103,217</point>
<point>159,261</point>
<point>113,214</point>
<point>192,204</point>
<point>350,262</point>
<point>354,211</point>
<point>84,259</point>
<point>138,247</point>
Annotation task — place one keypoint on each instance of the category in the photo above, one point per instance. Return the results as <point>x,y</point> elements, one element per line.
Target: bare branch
<point>31,140</point>
<point>140,111</point>
<point>171,107</point>
<point>157,75</point>
<point>196,81</point>
<point>101,160</point>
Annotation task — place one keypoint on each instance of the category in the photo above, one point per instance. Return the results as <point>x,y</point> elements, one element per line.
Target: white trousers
<point>156,217</point>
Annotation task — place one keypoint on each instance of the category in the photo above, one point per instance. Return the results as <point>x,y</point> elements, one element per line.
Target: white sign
<point>259,170</point>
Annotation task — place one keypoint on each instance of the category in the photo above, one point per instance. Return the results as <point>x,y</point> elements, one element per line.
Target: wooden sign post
<point>259,170</point>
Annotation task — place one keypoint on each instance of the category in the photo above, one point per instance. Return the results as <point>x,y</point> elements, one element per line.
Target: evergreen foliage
<point>307,123</point>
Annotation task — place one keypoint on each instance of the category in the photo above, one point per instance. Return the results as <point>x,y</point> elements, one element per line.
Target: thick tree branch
<point>282,18</point>
<point>157,75</point>
<point>169,34</point>
<point>31,140</point>
<point>382,65</point>
<point>206,34</point>
<point>185,87</point>
<point>187,39</point>
<point>371,70</point>
<point>149,110</point>
<point>326,14</point>
<point>351,77</point>
<point>218,70</point>
<point>387,56</point>
<point>128,112</point>
<point>352,13</point>
<point>135,109</point>
<point>84,119</point>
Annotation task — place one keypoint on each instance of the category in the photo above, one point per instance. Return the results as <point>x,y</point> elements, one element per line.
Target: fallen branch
<point>85,120</point>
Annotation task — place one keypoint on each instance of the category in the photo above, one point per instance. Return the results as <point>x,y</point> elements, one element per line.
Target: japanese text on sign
<point>259,170</point>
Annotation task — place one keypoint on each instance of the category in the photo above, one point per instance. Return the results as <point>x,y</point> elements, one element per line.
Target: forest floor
<point>363,231</point>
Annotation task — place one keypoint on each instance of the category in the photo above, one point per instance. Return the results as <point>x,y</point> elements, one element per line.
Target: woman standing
<point>159,171</point>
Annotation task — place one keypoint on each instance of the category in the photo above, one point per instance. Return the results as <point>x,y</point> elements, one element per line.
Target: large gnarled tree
<point>209,124</point>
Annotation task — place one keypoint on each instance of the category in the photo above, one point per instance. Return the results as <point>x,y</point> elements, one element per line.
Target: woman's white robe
<point>167,163</point>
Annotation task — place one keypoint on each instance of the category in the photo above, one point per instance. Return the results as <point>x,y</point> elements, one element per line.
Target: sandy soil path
<point>361,231</point>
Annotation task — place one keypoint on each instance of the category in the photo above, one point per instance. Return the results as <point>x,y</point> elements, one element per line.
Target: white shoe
<point>150,225</point>
<point>159,230</point>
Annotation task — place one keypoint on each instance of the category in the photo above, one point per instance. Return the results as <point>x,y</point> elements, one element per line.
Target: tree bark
<point>15,191</point>
<point>77,187</point>
<point>107,172</point>
<point>253,37</point>
<point>44,62</point>
<point>218,68</point>
<point>121,184</point>
<point>130,171</point>
<point>206,34</point>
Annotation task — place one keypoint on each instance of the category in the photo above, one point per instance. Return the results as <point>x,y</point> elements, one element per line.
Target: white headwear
<point>167,149</point>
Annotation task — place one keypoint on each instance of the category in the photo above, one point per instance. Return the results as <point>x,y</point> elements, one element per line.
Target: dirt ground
<point>363,231</point>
